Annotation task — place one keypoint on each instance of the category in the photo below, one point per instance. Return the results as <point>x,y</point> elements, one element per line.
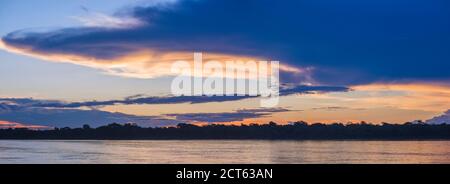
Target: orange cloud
<point>145,63</point>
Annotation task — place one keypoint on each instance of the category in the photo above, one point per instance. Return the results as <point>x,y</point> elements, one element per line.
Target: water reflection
<point>217,151</point>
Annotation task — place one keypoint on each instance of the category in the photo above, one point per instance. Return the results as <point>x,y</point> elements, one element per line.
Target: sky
<point>69,63</point>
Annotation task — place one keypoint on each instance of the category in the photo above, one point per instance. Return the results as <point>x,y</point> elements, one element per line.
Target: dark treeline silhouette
<point>271,131</point>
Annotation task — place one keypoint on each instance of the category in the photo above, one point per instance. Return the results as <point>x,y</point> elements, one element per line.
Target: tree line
<point>271,131</point>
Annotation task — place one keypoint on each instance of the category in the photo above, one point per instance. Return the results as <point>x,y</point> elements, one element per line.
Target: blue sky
<point>393,55</point>
<point>24,76</point>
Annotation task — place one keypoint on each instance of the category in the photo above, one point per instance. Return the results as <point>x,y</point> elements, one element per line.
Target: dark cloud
<point>61,114</point>
<point>336,108</point>
<point>11,110</point>
<point>140,99</point>
<point>303,89</point>
<point>63,117</point>
<point>347,42</point>
<point>238,115</point>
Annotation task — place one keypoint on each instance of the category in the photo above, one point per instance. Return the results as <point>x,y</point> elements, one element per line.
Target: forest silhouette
<point>271,131</point>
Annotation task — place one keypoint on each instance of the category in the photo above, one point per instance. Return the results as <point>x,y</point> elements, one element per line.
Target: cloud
<point>136,62</point>
<point>7,124</point>
<point>53,113</point>
<point>155,100</point>
<point>35,117</point>
<point>442,119</point>
<point>346,42</point>
<point>337,108</point>
<point>29,115</point>
<point>310,89</point>
<point>331,108</point>
<point>100,20</point>
<point>239,115</point>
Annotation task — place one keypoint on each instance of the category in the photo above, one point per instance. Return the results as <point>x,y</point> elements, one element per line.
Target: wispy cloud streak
<point>177,99</point>
<point>238,115</point>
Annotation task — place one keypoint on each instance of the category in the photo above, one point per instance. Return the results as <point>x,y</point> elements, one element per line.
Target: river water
<point>219,151</point>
